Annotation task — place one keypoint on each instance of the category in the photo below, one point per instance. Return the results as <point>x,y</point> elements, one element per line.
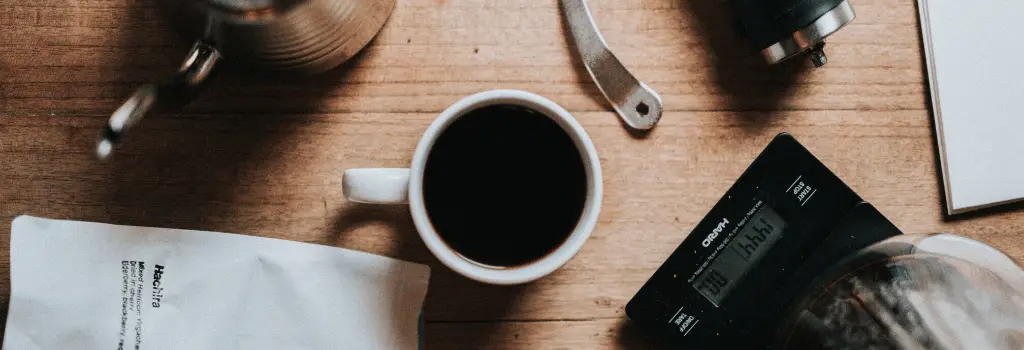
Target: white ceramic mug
<point>400,186</point>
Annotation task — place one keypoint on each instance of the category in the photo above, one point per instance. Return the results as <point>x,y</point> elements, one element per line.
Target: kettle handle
<point>182,88</point>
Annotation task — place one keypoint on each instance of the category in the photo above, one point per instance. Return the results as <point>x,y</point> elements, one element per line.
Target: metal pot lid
<point>242,6</point>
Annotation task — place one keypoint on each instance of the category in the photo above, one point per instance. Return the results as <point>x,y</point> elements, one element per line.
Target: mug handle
<point>376,185</point>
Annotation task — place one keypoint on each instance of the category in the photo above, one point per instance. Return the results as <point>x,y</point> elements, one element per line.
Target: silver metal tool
<point>638,105</point>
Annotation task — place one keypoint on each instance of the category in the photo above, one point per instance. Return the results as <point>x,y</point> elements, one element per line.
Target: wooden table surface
<point>264,156</point>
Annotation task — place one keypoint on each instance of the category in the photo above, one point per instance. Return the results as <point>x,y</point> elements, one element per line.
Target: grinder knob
<point>818,55</point>
<point>781,29</point>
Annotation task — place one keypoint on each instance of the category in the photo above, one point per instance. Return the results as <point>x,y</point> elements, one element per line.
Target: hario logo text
<point>714,233</point>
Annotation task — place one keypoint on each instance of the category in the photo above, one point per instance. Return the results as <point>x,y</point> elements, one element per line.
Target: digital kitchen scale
<point>733,280</point>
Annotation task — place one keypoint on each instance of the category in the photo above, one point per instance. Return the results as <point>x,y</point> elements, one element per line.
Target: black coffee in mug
<point>504,185</point>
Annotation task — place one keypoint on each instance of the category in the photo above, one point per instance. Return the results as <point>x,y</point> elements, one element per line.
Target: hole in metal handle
<point>643,109</point>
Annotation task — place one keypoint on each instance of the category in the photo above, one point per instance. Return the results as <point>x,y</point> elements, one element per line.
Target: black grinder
<point>781,29</point>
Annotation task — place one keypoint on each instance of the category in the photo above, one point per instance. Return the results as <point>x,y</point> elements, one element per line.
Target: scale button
<point>802,190</point>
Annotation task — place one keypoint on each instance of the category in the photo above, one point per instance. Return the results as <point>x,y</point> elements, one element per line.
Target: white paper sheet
<point>77,285</point>
<point>974,55</point>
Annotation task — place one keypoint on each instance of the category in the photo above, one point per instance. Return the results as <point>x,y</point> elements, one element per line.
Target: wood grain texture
<point>263,155</point>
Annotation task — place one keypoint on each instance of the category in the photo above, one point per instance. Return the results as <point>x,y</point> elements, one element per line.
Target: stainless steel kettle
<point>293,36</point>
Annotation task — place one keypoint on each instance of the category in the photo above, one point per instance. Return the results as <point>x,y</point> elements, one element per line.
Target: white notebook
<point>975,56</point>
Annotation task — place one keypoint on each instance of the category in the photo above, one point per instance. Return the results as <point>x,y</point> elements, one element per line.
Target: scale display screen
<point>745,250</point>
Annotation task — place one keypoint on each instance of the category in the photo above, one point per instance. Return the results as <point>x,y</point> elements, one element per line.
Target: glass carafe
<point>936,291</point>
